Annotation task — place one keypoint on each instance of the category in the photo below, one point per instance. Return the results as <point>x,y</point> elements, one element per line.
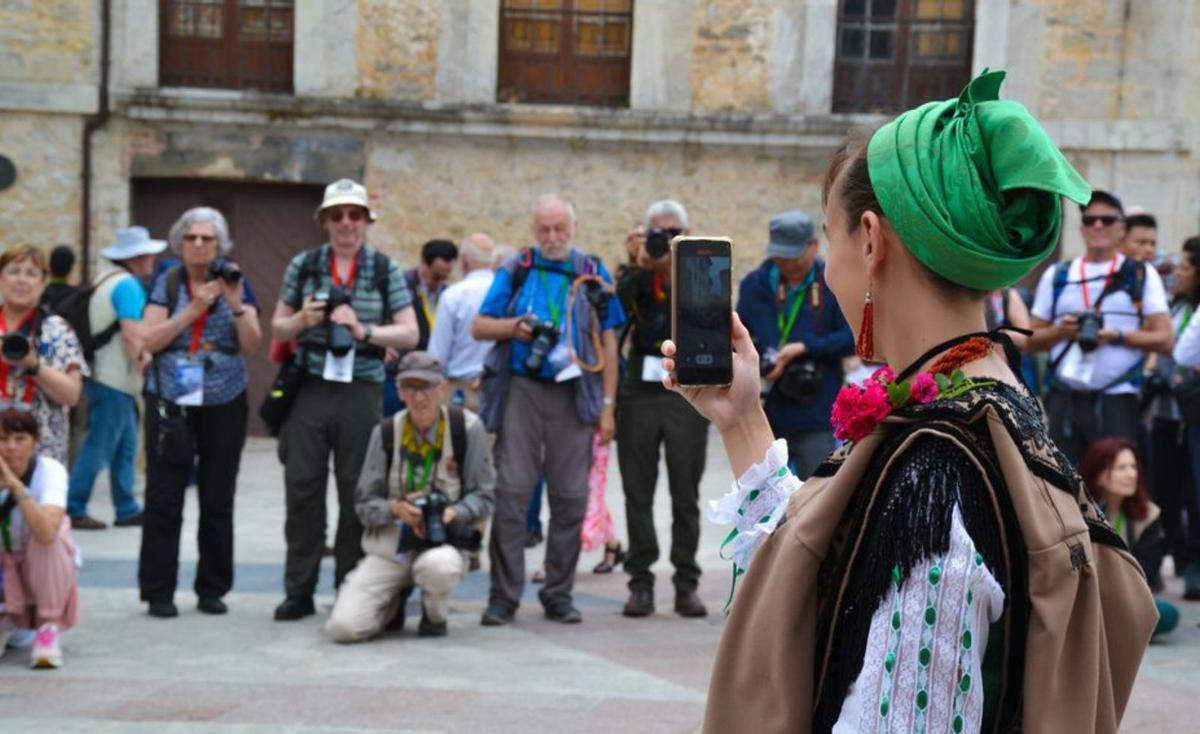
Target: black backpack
<point>73,308</point>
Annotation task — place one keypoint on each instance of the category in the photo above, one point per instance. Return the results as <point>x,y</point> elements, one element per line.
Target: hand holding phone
<point>701,283</point>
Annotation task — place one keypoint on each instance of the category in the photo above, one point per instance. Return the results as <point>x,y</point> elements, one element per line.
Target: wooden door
<point>269,224</point>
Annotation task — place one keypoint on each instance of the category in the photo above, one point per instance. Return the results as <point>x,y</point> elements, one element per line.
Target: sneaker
<point>47,654</point>
<point>22,639</point>
<point>130,522</point>
<point>496,616</point>
<point>86,522</point>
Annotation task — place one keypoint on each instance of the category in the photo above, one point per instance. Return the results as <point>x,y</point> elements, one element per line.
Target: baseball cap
<point>791,234</point>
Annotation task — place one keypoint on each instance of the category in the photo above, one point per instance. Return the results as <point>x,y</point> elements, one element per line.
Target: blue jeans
<point>111,442</point>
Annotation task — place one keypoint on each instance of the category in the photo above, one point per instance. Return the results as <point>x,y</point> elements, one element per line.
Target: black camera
<point>15,346</point>
<point>801,380</point>
<point>545,337</point>
<point>432,506</point>
<point>658,241</point>
<point>341,341</point>
<point>598,298</point>
<point>224,270</point>
<point>1090,324</point>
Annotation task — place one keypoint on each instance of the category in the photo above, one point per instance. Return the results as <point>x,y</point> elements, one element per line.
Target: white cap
<point>345,191</point>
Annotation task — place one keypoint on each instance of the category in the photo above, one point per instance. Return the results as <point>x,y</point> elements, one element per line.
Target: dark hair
<point>1098,459</point>
<point>438,250</point>
<point>849,163</point>
<point>14,420</point>
<point>1191,251</point>
<point>62,260</point>
<point>1103,197</point>
<point>1140,220</point>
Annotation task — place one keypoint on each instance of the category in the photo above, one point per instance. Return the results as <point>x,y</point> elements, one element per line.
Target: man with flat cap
<point>800,332</point>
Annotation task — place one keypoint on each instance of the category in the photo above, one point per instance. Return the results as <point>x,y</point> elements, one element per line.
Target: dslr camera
<point>545,337</point>
<point>597,297</point>
<point>658,241</point>
<point>15,346</point>
<point>433,506</point>
<point>800,381</point>
<point>224,270</point>
<point>1090,324</point>
<point>341,341</point>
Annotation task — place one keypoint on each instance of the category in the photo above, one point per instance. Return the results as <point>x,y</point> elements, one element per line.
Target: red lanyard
<point>197,325</point>
<point>4,367</point>
<point>349,282</point>
<point>1087,303</point>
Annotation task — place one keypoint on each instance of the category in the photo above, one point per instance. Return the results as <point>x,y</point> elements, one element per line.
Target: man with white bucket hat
<point>115,309</point>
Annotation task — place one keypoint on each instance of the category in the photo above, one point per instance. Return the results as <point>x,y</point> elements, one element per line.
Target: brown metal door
<point>269,224</point>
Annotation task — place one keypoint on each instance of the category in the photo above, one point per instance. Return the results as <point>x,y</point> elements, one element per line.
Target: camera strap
<point>198,324</point>
<point>553,301</point>
<point>1083,282</point>
<point>25,326</point>
<point>785,328</point>
<point>348,284</point>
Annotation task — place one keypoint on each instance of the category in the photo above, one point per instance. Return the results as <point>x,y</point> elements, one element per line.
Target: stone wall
<point>46,40</point>
<point>42,207</point>
<point>397,45</point>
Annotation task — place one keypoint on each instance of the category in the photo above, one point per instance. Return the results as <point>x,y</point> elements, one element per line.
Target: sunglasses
<point>354,215</point>
<point>207,239</point>
<point>1107,220</point>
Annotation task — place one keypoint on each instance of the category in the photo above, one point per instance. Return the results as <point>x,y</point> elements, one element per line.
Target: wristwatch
<point>367,333</point>
<point>609,402</point>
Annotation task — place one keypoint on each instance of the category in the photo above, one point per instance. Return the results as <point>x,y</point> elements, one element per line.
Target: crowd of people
<point>448,406</point>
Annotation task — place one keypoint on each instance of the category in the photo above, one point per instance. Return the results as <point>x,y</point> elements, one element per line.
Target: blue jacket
<point>822,329</point>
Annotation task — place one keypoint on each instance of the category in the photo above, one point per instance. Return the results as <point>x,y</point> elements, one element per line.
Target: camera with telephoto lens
<point>432,506</point>
<point>224,270</point>
<point>341,341</point>
<point>658,241</point>
<point>545,337</point>
<point>1090,324</point>
<point>15,346</point>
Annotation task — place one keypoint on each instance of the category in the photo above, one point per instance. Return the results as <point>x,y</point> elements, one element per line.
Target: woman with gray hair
<point>201,320</point>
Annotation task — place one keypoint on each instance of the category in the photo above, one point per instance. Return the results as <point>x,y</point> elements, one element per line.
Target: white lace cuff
<point>754,506</point>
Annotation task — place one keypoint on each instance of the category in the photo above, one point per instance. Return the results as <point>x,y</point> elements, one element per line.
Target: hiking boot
<point>211,605</point>
<point>294,608</point>
<point>640,604</point>
<point>163,609</point>
<point>688,604</point>
<point>564,613</point>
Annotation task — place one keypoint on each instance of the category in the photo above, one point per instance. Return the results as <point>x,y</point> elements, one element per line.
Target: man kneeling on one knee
<point>427,463</point>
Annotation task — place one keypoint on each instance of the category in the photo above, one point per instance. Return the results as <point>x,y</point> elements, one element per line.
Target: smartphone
<point>701,311</point>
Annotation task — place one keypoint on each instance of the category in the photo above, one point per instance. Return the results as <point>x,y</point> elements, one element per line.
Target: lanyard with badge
<point>341,369</point>
<point>416,450</point>
<point>559,357</point>
<point>189,370</point>
<point>8,393</point>
<point>785,328</point>
<point>1076,364</point>
<point>426,303</point>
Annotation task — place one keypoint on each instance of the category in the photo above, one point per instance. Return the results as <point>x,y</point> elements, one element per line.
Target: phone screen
<point>701,317</point>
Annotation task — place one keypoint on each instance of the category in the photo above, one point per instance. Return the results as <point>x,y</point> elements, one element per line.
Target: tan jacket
<point>1090,611</point>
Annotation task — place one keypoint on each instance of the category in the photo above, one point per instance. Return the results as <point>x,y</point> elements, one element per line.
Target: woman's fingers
<point>668,348</point>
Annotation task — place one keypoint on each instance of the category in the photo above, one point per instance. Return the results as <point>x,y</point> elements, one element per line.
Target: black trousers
<point>218,433</point>
<point>1077,419</point>
<point>1172,489</point>
<point>327,418</point>
<point>649,416</point>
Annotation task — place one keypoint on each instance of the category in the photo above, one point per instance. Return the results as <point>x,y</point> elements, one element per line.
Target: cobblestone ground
<point>127,672</point>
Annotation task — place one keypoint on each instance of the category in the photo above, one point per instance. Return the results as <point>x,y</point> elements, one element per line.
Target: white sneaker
<point>47,653</point>
<point>21,638</point>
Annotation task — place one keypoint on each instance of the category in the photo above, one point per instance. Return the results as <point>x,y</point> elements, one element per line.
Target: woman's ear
<point>874,252</point>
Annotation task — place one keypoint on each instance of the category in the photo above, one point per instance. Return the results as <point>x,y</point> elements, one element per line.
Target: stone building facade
<point>730,110</point>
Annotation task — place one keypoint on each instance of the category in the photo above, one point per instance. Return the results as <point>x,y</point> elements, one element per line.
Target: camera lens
<point>15,347</point>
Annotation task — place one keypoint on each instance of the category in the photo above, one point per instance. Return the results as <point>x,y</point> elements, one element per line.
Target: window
<point>895,54</point>
<point>229,44</point>
<point>565,51</point>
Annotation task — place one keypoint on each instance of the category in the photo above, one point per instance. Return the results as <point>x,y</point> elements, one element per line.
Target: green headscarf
<point>972,185</point>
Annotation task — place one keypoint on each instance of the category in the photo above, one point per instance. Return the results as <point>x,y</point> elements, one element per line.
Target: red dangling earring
<point>864,347</point>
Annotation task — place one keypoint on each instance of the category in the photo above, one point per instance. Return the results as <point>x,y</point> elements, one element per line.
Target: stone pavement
<point>126,672</point>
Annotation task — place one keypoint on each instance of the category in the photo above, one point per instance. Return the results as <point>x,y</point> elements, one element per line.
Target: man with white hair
<point>548,382</point>
<point>651,416</point>
<point>451,341</point>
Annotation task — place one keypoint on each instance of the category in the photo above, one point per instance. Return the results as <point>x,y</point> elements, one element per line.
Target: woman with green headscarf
<point>943,571</point>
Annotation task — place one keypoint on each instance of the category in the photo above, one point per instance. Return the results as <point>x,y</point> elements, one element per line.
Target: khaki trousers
<point>370,596</point>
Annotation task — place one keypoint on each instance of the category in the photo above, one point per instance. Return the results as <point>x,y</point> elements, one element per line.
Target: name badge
<point>339,369</point>
<point>189,381</point>
<point>652,369</point>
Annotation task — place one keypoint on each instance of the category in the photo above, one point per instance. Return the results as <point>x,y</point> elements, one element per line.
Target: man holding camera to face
<point>1098,315</point>
<point>427,481</point>
<point>801,336</point>
<point>344,303</point>
<point>650,416</point>
<point>549,381</point>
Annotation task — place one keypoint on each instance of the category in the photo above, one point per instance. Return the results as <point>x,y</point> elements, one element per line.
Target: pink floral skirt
<point>597,523</point>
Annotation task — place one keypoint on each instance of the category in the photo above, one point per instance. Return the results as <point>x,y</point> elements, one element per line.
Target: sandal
<point>612,557</point>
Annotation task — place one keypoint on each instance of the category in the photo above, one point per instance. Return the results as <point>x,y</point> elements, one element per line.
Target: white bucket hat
<point>132,242</point>
<point>345,191</point>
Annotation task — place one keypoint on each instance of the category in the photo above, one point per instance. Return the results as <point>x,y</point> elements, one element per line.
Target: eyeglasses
<point>1107,220</point>
<point>205,239</point>
<point>354,215</point>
